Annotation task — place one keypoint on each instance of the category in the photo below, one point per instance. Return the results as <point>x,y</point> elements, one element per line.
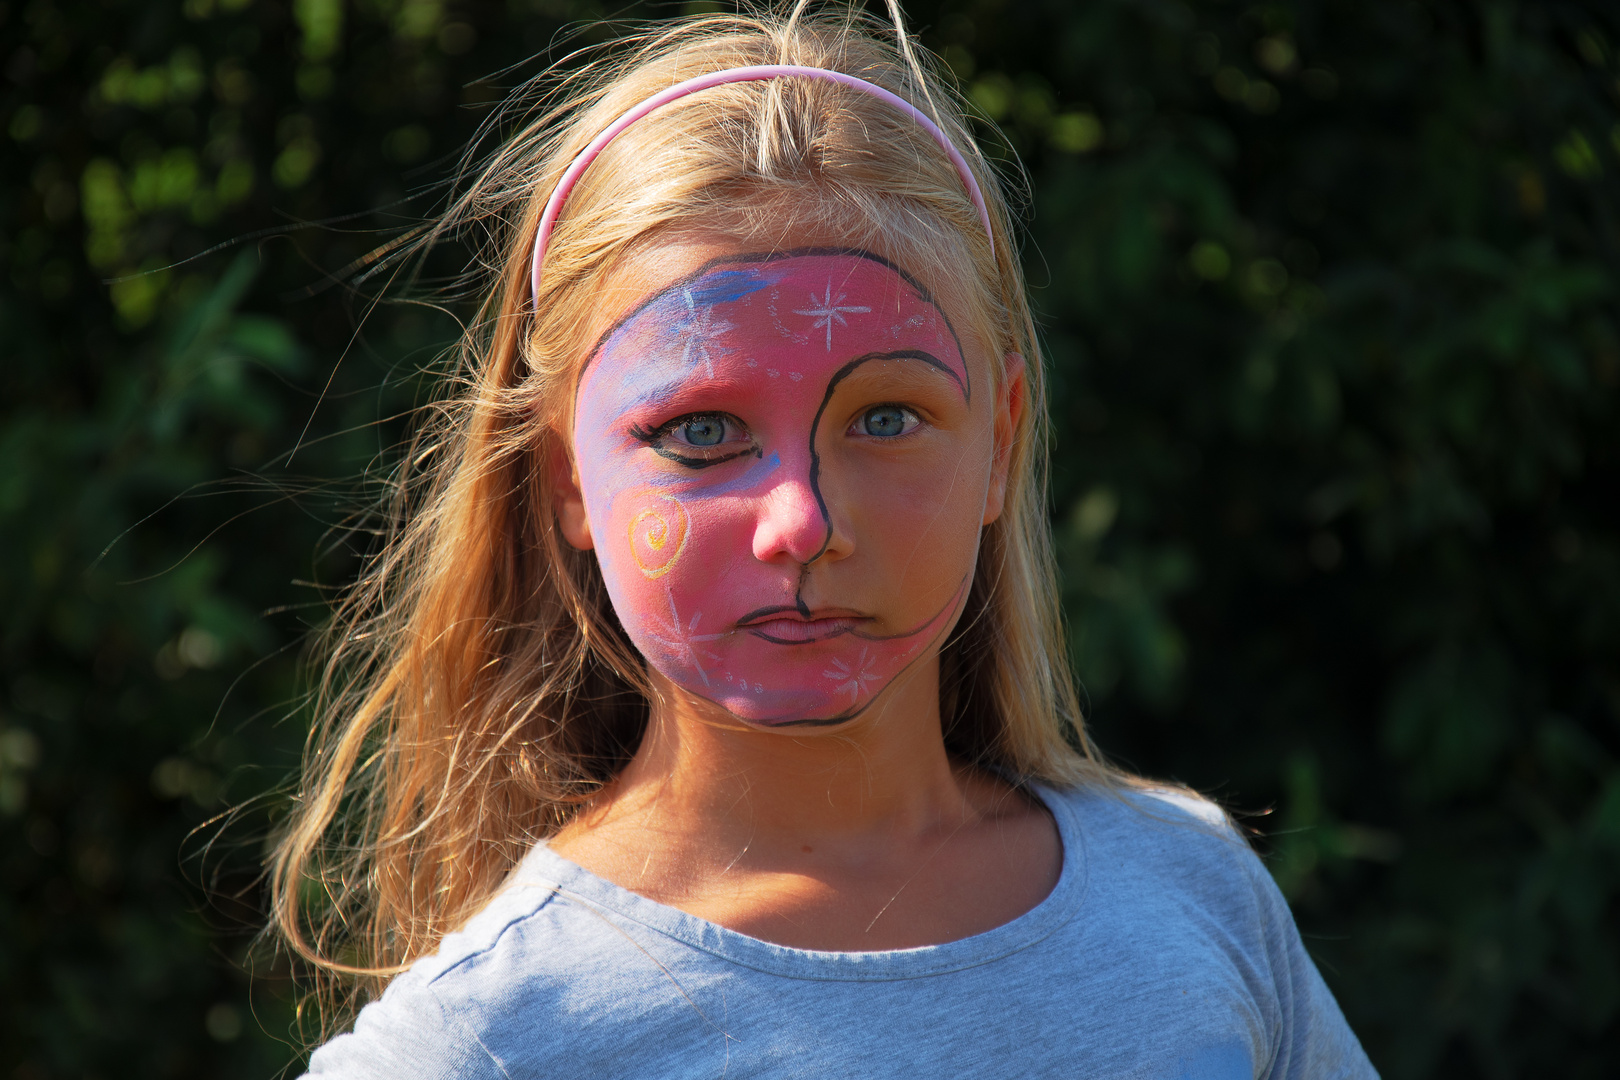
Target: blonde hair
<point>477,686</point>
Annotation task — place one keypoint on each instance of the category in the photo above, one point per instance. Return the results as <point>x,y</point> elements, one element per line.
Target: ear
<point>568,502</point>
<point>1010,399</point>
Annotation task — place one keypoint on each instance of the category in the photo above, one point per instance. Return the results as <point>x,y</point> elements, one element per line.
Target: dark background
<point>1329,290</point>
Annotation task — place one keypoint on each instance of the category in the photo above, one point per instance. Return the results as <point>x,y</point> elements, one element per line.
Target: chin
<point>774,709</point>
<point>820,682</point>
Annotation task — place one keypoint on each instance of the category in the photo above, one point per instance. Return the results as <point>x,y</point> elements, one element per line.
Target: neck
<point>867,838</point>
<point>703,790</point>
<point>886,767</point>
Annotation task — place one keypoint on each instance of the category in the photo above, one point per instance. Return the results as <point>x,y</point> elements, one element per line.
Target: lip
<point>787,625</point>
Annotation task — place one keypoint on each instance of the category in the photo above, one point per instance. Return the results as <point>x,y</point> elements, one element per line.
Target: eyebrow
<point>826,399</point>
<point>687,390</point>
<point>901,354</point>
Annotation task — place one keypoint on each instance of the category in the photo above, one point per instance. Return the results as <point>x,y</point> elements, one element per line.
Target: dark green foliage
<point>1332,299</point>
<point>160,531</point>
<point>1333,311</point>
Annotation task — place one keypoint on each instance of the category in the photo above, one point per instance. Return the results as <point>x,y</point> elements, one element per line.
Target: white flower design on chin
<point>853,677</point>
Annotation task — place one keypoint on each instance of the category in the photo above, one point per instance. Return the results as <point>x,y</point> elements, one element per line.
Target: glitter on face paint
<point>677,524</point>
<point>826,311</point>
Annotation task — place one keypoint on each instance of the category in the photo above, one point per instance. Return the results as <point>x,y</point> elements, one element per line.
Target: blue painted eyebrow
<point>669,304</point>
<point>712,285</point>
<point>724,286</point>
<point>760,267</point>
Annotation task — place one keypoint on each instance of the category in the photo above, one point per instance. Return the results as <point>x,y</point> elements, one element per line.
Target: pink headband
<point>756,73</point>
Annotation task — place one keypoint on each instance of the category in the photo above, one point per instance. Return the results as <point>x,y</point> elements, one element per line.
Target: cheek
<point>921,522</point>
<point>658,534</point>
<point>660,549</point>
<point>925,543</point>
<point>935,491</point>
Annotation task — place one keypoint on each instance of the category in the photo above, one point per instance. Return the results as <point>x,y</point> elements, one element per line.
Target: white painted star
<point>680,639</point>
<point>852,677</point>
<point>696,329</point>
<point>827,309</point>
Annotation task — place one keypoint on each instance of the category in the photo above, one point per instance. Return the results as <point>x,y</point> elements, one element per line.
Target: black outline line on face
<point>782,609</point>
<point>826,519</point>
<point>754,258</point>
<point>704,463</point>
<point>963,381</point>
<point>826,399</point>
<point>839,376</point>
<point>957,598</point>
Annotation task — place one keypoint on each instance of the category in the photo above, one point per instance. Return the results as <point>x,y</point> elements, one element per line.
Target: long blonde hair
<point>477,686</point>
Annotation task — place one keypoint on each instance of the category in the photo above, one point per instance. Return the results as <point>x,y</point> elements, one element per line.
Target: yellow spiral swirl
<point>658,536</point>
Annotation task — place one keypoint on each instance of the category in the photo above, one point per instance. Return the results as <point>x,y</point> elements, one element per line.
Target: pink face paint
<point>702,437</point>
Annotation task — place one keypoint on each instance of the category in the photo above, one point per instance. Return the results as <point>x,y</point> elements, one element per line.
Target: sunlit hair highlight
<point>477,686</point>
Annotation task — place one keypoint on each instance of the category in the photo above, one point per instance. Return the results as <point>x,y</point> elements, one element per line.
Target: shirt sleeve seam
<point>551,894</point>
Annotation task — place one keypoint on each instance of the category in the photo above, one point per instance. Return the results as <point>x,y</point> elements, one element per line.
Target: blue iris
<point>704,430</point>
<point>885,421</point>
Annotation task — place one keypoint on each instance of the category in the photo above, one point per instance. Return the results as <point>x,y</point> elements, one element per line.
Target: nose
<point>791,524</point>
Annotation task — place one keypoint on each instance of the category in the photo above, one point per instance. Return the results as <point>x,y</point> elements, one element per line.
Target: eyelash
<point>856,425</point>
<point>653,437</point>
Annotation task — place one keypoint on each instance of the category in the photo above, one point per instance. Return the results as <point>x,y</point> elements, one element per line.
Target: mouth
<point>788,625</point>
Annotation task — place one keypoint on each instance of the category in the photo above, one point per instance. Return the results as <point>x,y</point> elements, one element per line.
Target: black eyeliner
<point>704,463</point>
<point>650,436</point>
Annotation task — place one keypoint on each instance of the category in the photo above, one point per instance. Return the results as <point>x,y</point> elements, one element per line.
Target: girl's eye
<point>699,440</point>
<point>886,421</point>
<point>701,431</point>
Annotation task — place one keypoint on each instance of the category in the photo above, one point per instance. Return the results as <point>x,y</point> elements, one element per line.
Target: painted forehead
<point>791,316</point>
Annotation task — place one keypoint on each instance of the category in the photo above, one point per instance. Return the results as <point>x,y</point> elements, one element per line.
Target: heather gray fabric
<point>1164,953</point>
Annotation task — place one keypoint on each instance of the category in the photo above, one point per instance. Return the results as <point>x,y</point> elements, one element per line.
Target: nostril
<point>791,525</point>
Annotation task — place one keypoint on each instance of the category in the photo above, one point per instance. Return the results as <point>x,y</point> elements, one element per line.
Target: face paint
<point>707,436</point>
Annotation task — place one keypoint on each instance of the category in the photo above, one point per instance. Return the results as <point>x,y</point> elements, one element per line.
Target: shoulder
<point>1169,872</point>
<point>429,1020</point>
<point>1166,856</point>
<point>408,1032</point>
<point>1153,827</point>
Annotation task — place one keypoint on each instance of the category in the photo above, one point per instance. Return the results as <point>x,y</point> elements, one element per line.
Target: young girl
<point>710,716</point>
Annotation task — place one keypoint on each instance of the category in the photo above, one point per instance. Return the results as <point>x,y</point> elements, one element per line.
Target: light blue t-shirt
<point>1165,952</point>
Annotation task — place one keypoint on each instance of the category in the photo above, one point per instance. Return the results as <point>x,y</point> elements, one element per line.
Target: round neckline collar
<point>573,883</point>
